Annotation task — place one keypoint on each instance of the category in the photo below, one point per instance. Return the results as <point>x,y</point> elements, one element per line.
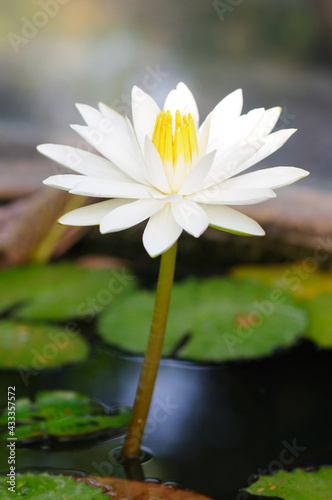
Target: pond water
<point>211,427</point>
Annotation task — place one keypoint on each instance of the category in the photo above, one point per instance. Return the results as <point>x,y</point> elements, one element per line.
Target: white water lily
<point>167,169</point>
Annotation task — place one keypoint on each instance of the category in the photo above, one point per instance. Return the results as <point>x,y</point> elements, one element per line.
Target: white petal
<point>177,177</point>
<point>155,168</point>
<point>91,116</point>
<point>271,144</point>
<point>183,100</point>
<point>120,127</point>
<point>226,111</point>
<point>91,215</point>
<point>195,179</point>
<point>232,161</point>
<point>166,197</point>
<point>230,220</point>
<point>129,215</point>
<point>136,150</point>
<point>99,188</point>
<point>271,178</point>
<point>161,232</point>
<point>83,162</point>
<point>238,131</point>
<point>119,121</point>
<point>229,161</point>
<point>266,124</point>
<point>107,144</point>
<point>190,216</point>
<point>64,182</point>
<point>145,111</point>
<point>219,196</point>
<point>203,135</point>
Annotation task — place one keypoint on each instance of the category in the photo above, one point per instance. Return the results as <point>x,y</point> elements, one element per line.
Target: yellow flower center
<point>179,153</point>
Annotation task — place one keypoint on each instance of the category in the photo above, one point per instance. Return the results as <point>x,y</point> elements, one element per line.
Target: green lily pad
<point>300,279</point>
<point>61,291</point>
<point>61,415</point>
<point>37,346</point>
<point>224,320</point>
<point>312,289</point>
<point>296,485</point>
<point>22,406</point>
<point>45,486</point>
<point>320,328</point>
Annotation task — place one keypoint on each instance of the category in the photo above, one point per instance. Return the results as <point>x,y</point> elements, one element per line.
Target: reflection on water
<point>210,428</point>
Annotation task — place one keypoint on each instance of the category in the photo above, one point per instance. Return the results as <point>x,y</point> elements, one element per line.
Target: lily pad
<point>296,485</point>
<point>300,279</point>
<point>45,486</point>
<point>36,346</point>
<point>61,291</point>
<point>63,415</point>
<point>211,320</point>
<point>320,326</point>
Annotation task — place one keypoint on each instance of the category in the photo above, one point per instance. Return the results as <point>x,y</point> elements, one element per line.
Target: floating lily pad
<point>313,289</point>
<point>320,326</point>
<point>296,485</point>
<point>45,486</point>
<point>62,291</point>
<point>37,346</point>
<point>48,487</point>
<point>224,320</point>
<point>63,415</point>
<point>300,279</point>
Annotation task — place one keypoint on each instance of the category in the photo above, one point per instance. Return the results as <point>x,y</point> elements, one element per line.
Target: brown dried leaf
<point>29,230</point>
<point>122,489</point>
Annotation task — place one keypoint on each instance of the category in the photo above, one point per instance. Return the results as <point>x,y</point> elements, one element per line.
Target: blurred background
<point>54,53</point>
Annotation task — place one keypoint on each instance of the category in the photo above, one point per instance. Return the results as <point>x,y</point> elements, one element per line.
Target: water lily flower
<point>166,168</point>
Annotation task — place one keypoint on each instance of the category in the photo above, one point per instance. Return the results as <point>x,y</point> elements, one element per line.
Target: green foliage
<point>296,485</point>
<point>61,292</point>
<point>37,294</point>
<point>225,320</point>
<point>48,487</point>
<point>311,289</point>
<point>320,326</point>
<point>38,346</point>
<point>296,278</point>
<point>61,415</point>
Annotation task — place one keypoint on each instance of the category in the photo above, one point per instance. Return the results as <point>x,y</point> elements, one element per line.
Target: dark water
<point>211,428</point>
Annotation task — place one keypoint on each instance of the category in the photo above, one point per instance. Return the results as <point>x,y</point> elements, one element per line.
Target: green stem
<point>150,366</point>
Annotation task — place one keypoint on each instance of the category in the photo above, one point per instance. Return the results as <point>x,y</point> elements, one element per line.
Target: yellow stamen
<point>169,144</point>
<point>161,145</point>
<point>178,146</point>
<point>156,132</point>
<point>178,120</point>
<point>179,153</point>
<point>186,144</point>
<point>192,136</point>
